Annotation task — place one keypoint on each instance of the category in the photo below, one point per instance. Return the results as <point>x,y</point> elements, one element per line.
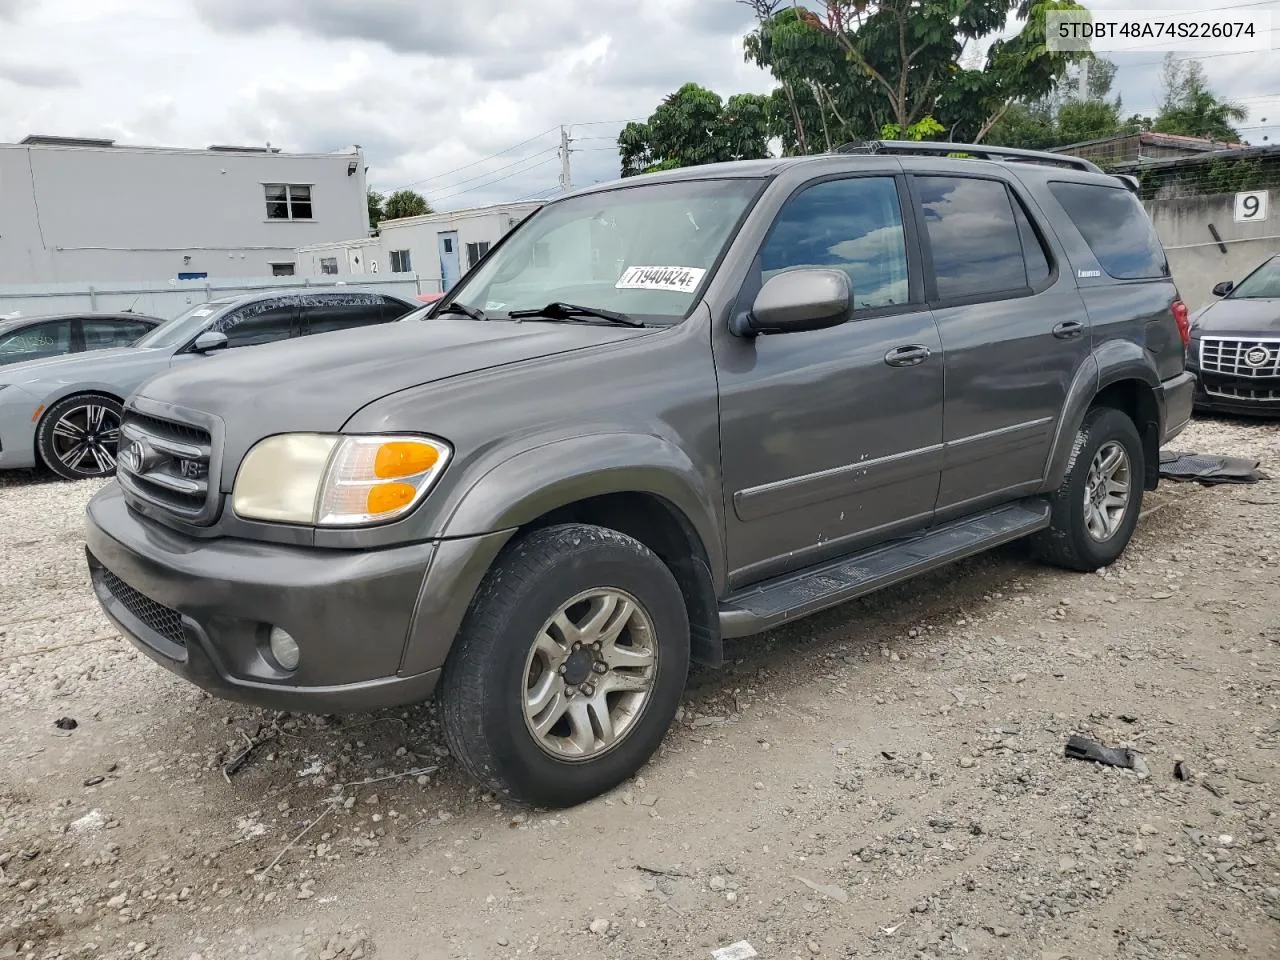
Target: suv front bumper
<point>204,609</point>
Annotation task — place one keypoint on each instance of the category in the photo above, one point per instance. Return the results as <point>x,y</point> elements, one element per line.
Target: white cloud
<point>425,92</point>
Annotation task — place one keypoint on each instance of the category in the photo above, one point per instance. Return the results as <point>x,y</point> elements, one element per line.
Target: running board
<point>764,606</point>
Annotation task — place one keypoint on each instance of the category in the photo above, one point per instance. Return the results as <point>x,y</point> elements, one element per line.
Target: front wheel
<point>79,436</point>
<point>1095,511</point>
<point>569,667</point>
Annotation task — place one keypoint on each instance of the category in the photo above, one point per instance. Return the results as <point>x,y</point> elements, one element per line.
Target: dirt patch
<point>883,780</point>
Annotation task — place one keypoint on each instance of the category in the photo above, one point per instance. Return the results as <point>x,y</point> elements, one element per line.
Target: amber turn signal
<point>404,458</point>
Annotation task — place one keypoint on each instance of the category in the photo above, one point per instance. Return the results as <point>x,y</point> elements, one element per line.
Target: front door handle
<point>1068,329</point>
<point>908,355</point>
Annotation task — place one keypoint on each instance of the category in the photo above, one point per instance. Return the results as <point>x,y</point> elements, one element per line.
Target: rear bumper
<point>204,611</point>
<point>1178,396</point>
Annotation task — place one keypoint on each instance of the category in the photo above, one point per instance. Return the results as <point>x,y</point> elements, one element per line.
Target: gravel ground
<point>883,780</point>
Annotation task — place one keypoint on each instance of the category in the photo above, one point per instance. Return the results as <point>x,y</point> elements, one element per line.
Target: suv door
<point>1013,328</point>
<point>826,443</point>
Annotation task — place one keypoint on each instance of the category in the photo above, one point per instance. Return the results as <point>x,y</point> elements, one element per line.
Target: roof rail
<point>981,151</point>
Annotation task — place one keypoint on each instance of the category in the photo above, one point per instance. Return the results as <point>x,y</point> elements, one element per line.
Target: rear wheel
<point>569,667</point>
<point>1095,511</point>
<point>79,436</point>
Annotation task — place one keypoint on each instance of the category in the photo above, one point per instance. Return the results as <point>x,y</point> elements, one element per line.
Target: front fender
<point>532,483</point>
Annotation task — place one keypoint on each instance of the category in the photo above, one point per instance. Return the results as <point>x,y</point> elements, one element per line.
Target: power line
<point>508,166</point>
<point>480,186</point>
<point>467,166</point>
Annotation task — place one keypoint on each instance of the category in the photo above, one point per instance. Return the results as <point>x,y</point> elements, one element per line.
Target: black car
<point>1235,345</point>
<point>39,338</point>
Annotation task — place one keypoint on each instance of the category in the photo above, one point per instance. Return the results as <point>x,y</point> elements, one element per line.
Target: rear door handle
<point>1068,329</point>
<point>908,355</point>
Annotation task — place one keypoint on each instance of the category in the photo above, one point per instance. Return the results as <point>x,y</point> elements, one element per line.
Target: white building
<point>438,247</point>
<point>90,210</point>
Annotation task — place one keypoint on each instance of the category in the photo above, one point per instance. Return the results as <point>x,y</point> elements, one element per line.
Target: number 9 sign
<point>1251,207</point>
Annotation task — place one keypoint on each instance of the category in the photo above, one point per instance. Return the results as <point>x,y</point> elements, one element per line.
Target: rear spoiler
<point>1128,180</point>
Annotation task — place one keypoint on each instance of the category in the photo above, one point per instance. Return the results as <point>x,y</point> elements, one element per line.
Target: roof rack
<point>981,151</point>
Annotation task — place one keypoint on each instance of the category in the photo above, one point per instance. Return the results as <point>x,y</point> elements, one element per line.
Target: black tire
<point>483,690</point>
<point>1068,542</point>
<point>96,454</point>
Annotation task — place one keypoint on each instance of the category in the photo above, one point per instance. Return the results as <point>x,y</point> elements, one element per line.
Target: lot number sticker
<point>1251,207</point>
<point>675,279</point>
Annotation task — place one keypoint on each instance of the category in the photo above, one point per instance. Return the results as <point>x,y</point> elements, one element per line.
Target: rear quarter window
<point>1116,228</point>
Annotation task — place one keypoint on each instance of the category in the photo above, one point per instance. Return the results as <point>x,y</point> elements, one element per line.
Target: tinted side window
<point>257,323</point>
<point>1037,261</point>
<point>100,334</point>
<point>853,225</point>
<point>973,236</point>
<point>394,309</point>
<point>326,317</point>
<point>1117,229</point>
<point>51,339</point>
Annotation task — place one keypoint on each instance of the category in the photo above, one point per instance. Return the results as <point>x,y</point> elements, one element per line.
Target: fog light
<point>284,649</point>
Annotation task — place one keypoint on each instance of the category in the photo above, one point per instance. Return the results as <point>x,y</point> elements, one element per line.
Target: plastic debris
<point>1081,748</point>
<point>741,950</point>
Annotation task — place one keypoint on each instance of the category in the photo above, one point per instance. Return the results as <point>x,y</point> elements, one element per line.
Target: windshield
<point>1262,284</point>
<point>176,332</point>
<point>642,251</point>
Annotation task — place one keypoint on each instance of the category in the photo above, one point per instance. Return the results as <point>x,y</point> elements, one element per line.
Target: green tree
<point>694,126</point>
<point>406,203</point>
<point>1190,108</point>
<point>377,209</point>
<point>854,66</point>
<point>1061,117</point>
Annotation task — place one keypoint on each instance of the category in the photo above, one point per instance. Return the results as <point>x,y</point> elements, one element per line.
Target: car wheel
<point>78,437</point>
<point>569,667</point>
<point>1096,509</point>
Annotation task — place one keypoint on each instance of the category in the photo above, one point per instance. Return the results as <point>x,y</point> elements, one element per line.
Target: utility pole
<point>1084,81</point>
<point>566,172</point>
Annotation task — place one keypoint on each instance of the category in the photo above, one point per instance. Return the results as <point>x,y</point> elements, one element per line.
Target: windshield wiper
<point>471,313</point>
<point>571,311</point>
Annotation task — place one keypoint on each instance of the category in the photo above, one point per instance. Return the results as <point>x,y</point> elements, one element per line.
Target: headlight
<point>334,481</point>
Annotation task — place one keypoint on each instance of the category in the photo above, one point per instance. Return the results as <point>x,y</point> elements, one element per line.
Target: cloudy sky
<point>462,101</point>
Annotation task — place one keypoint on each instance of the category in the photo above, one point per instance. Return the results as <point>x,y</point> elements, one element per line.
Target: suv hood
<point>318,383</point>
<point>1246,317</point>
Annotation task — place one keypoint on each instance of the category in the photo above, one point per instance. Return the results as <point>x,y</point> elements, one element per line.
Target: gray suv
<point>660,414</point>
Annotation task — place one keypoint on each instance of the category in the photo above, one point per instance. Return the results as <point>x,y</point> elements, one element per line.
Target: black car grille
<point>166,463</point>
<point>1243,393</point>
<point>155,616</point>
<point>1240,357</point>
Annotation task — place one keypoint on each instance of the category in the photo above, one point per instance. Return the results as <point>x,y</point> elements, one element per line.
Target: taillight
<point>1182,317</point>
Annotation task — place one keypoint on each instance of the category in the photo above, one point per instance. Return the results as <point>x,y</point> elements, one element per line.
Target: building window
<point>401,262</point>
<point>475,251</point>
<point>288,201</point>
<point>283,270</point>
<point>329,265</point>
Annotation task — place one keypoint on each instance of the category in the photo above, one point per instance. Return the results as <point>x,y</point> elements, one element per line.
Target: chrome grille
<point>1243,393</point>
<point>165,463</point>
<point>155,616</point>
<point>1235,357</point>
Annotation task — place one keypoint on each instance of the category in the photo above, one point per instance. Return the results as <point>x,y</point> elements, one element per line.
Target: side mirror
<point>796,301</point>
<point>209,341</point>
<point>1223,288</point>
